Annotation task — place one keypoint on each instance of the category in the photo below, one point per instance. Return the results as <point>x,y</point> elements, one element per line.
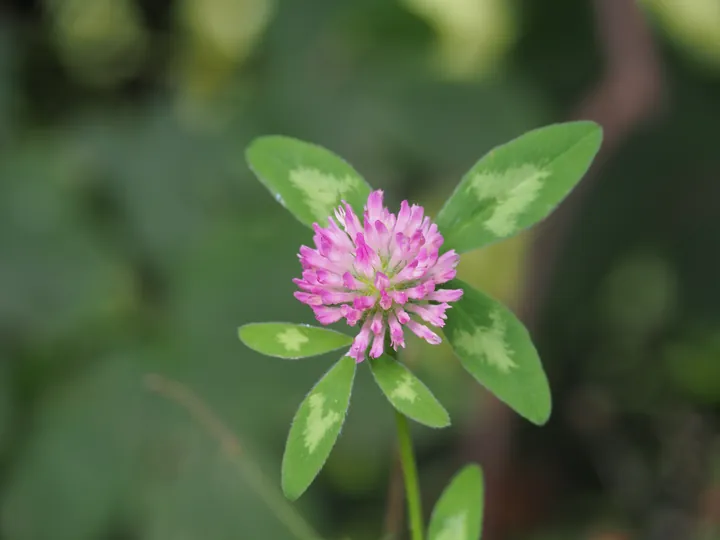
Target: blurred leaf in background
<point>473,37</point>
<point>214,39</point>
<point>135,240</point>
<point>692,25</point>
<point>103,42</point>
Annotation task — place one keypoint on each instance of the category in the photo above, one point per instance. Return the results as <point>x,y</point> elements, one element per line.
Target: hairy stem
<point>412,487</point>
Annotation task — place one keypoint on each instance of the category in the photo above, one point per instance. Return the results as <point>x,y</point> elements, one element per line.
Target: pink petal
<point>420,291</point>
<point>385,300</point>
<point>365,257</point>
<point>445,276</point>
<point>338,236</point>
<point>424,332</point>
<point>402,315</point>
<point>416,217</point>
<point>377,323</point>
<point>360,343</point>
<point>352,223</point>
<point>375,205</point>
<point>406,273</point>
<point>352,315</point>
<point>397,335</point>
<point>334,297</point>
<point>310,276</point>
<point>364,302</point>
<point>445,295</point>
<point>329,278</point>
<point>310,258</point>
<point>304,285</point>
<point>378,345</point>
<point>447,260</point>
<point>416,242</point>
<point>400,297</point>
<point>349,282</point>
<point>328,315</point>
<point>403,217</point>
<point>398,247</point>
<point>381,281</point>
<point>309,299</point>
<point>433,314</point>
<point>382,235</point>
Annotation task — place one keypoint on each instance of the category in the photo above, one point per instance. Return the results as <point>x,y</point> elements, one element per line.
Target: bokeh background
<point>134,241</point>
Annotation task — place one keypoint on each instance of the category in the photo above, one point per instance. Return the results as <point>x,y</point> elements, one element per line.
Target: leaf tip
<point>251,148</point>
<point>598,131</point>
<point>240,333</point>
<point>290,493</point>
<point>594,130</point>
<point>444,422</point>
<point>439,424</point>
<point>472,469</point>
<point>540,419</point>
<point>541,415</point>
<point>290,489</point>
<point>258,145</point>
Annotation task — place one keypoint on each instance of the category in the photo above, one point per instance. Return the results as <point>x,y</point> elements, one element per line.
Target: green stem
<point>412,487</point>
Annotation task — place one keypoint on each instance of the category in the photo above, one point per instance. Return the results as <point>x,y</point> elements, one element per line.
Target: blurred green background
<point>134,241</point>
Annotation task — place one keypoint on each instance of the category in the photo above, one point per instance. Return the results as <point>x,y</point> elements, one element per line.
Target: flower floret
<point>383,273</point>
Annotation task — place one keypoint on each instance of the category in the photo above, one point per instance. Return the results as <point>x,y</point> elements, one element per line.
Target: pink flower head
<point>383,274</point>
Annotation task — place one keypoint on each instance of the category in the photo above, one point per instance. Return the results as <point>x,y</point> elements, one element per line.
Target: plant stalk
<point>412,486</point>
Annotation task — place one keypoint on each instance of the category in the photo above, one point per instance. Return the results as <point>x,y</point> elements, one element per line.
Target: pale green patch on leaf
<point>407,393</point>
<point>490,342</point>
<point>512,191</point>
<point>307,179</point>
<point>496,349</point>
<point>518,184</point>
<point>319,422</point>
<point>291,341</point>
<point>316,427</point>
<point>458,513</point>
<point>454,528</point>
<point>404,390</point>
<point>322,192</point>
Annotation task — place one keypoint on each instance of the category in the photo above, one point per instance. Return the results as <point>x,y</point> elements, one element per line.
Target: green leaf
<point>518,184</point>
<point>291,341</point>
<point>407,393</point>
<point>307,179</point>
<point>316,427</point>
<point>494,346</point>
<point>458,513</point>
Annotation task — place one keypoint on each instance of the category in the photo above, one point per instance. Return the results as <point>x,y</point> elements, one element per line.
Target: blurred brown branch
<point>628,94</point>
